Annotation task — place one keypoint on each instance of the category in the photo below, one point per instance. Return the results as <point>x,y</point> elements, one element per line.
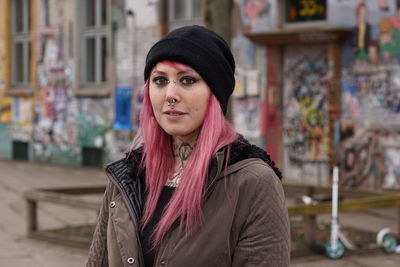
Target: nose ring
<point>171,102</point>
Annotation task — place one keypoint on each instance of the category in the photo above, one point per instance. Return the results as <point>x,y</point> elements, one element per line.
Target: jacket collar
<point>127,175</point>
<point>241,150</point>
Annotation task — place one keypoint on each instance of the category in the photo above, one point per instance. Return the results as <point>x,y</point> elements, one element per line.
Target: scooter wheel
<point>389,243</point>
<point>334,253</point>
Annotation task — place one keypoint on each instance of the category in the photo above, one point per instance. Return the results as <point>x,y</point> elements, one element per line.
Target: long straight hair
<point>158,160</point>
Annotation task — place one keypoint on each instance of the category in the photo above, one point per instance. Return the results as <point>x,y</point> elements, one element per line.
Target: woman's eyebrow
<point>179,73</point>
<point>188,71</point>
<point>158,72</point>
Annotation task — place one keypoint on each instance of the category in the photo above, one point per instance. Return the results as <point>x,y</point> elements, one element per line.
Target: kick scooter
<point>338,242</point>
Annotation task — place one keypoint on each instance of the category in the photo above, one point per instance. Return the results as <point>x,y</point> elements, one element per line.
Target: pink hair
<point>159,161</point>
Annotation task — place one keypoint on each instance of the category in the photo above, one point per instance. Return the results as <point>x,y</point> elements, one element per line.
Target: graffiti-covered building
<point>69,73</point>
<point>320,81</point>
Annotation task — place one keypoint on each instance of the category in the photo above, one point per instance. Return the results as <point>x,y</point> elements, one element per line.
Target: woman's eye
<point>187,80</point>
<point>160,81</point>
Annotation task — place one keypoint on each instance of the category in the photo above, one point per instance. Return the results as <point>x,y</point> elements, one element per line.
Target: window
<point>21,43</point>
<point>197,9</point>
<point>94,68</point>
<point>185,9</point>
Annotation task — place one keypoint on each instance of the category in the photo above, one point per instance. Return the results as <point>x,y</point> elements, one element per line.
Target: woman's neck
<point>182,150</point>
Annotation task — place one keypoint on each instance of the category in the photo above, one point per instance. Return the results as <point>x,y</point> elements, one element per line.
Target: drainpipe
<point>163,17</point>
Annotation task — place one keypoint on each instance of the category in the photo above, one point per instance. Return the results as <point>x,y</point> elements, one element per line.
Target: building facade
<point>322,78</point>
<point>69,73</point>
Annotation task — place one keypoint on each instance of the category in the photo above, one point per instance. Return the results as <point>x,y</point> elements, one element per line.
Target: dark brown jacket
<point>245,220</point>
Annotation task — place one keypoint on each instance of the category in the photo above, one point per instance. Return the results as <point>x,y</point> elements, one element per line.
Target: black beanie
<point>204,51</point>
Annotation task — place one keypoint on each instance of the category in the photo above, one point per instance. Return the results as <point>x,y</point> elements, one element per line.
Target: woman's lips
<point>174,114</point>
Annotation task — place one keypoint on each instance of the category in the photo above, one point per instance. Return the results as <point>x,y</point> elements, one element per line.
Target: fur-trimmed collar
<point>241,149</point>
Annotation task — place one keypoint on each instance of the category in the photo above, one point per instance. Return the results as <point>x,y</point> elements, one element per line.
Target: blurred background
<point>317,82</point>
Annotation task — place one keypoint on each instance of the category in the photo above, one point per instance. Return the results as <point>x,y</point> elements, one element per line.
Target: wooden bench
<point>349,200</point>
<point>61,196</point>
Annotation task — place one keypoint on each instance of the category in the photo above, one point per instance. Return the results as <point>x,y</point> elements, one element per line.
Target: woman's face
<point>191,93</point>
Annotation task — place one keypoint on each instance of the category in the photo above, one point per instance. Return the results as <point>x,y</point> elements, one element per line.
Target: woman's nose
<point>172,86</point>
<point>172,90</point>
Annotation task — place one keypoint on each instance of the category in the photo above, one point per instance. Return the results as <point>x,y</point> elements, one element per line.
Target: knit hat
<point>204,51</point>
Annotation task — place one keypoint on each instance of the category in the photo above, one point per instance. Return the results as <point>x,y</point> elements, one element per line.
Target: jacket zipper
<point>125,198</point>
<point>215,178</point>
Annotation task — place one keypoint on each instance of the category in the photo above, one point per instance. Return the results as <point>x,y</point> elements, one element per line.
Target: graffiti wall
<point>246,114</point>
<point>117,143</point>
<point>250,64</point>
<point>5,106</point>
<point>371,160</point>
<point>305,123</point>
<point>58,124</point>
<point>21,127</point>
<point>371,97</point>
<point>55,128</point>
<point>95,119</point>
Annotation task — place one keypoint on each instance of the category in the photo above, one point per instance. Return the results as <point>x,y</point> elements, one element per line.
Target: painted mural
<point>344,13</point>
<point>371,98</point>
<point>257,15</point>
<point>305,123</point>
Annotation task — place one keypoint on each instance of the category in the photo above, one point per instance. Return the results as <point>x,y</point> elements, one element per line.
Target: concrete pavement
<point>374,259</point>
<point>17,250</point>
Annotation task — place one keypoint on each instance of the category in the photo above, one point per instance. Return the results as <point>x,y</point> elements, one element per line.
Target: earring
<point>171,102</point>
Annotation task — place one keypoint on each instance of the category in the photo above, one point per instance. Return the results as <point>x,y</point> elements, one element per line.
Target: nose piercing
<point>171,102</point>
<point>172,81</point>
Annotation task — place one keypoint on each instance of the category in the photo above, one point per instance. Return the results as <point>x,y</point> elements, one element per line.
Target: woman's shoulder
<point>255,172</point>
<point>251,158</point>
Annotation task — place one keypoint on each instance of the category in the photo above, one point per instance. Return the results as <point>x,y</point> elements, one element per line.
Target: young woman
<point>193,192</point>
